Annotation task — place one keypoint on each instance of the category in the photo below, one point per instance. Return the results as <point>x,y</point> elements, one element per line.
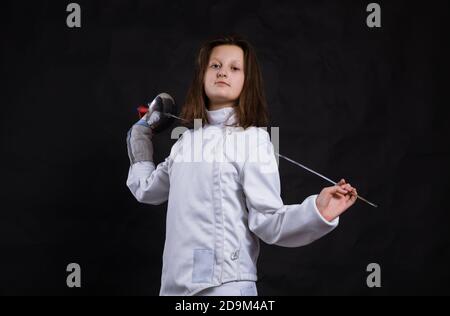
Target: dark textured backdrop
<point>353,102</point>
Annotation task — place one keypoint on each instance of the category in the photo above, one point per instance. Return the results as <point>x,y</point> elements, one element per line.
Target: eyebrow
<point>234,60</point>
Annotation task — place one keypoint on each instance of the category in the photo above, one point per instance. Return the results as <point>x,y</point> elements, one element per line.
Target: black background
<point>353,102</point>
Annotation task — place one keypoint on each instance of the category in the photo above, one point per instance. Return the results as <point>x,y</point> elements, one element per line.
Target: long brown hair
<point>251,109</point>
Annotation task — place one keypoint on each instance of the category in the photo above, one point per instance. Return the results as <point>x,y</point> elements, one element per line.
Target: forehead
<point>227,53</point>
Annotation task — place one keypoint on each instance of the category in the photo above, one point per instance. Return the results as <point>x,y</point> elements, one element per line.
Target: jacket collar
<point>221,117</point>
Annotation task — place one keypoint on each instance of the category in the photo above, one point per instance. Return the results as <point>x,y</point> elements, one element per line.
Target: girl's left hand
<point>335,200</point>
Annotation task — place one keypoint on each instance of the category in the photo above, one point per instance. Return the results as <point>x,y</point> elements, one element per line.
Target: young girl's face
<point>224,76</point>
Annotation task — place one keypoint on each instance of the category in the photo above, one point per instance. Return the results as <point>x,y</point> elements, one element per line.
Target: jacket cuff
<point>143,167</point>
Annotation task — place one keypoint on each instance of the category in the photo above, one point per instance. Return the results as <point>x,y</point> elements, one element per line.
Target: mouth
<point>221,83</point>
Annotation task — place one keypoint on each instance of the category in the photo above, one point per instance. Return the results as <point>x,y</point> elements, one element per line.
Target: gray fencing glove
<point>139,138</point>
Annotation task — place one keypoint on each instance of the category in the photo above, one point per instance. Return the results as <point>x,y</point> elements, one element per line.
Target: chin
<point>221,97</point>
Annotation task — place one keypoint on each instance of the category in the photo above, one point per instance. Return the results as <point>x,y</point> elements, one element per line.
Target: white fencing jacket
<point>223,190</point>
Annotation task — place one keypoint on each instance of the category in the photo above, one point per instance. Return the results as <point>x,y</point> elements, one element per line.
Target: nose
<point>221,73</point>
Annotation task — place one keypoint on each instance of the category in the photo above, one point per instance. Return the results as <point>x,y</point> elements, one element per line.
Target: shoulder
<point>258,134</point>
<point>257,142</point>
<point>261,152</point>
<point>180,134</point>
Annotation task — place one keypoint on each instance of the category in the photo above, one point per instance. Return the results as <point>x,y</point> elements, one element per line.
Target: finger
<point>337,190</point>
<point>348,187</point>
<point>344,187</point>
<point>342,190</point>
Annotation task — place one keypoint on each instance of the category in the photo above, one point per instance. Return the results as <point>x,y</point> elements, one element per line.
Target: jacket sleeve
<point>273,222</point>
<point>147,184</point>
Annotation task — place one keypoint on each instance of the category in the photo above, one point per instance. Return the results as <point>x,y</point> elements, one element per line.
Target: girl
<point>222,181</point>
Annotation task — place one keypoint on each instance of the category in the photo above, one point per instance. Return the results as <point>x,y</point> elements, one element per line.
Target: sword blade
<point>322,176</point>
